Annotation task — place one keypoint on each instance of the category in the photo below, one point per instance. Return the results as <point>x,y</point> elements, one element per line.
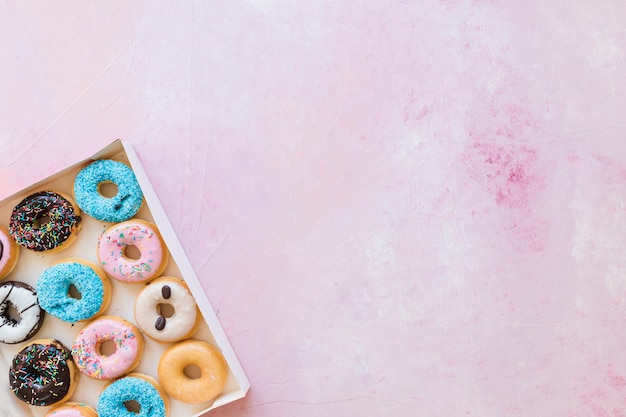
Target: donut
<point>43,373</point>
<point>165,327</point>
<point>143,389</point>
<point>45,221</point>
<point>124,205</point>
<point>145,236</point>
<point>93,285</point>
<point>19,299</point>
<point>210,361</point>
<point>71,409</point>
<point>9,253</point>
<point>128,348</point>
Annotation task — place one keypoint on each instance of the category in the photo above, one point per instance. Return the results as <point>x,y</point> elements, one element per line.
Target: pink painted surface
<point>397,208</point>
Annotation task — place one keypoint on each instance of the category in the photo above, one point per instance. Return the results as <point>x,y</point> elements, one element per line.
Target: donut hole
<point>107,348</point>
<point>41,221</point>
<point>73,292</point>
<point>165,310</point>
<point>107,189</point>
<point>132,252</point>
<point>132,406</point>
<point>13,313</point>
<point>192,371</point>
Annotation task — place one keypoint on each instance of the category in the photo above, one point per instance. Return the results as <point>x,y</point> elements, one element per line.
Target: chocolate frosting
<point>40,373</point>
<point>49,204</point>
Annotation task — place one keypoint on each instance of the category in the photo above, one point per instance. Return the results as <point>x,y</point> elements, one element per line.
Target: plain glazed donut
<point>22,299</point>
<point>90,281</point>
<point>143,389</point>
<point>158,326</point>
<point>213,371</point>
<point>9,253</point>
<point>43,373</point>
<point>124,205</point>
<point>145,236</point>
<point>128,348</point>
<point>55,234</point>
<point>71,409</point>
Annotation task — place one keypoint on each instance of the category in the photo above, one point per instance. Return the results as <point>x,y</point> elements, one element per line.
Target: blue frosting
<point>124,205</point>
<point>112,399</point>
<point>53,288</point>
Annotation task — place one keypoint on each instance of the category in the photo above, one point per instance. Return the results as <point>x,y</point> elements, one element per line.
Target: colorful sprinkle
<point>62,222</point>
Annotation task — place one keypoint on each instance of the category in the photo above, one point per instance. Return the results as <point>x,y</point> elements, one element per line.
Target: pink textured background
<point>409,208</point>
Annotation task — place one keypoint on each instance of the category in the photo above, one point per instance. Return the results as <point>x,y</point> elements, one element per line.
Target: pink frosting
<point>111,246</point>
<point>66,412</point>
<point>91,362</point>
<point>6,249</point>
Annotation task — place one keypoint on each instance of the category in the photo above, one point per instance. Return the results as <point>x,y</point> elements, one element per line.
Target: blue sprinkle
<point>119,208</point>
<point>53,287</point>
<point>112,399</point>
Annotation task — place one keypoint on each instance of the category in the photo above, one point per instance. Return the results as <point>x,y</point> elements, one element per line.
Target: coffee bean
<point>160,323</point>
<point>166,291</point>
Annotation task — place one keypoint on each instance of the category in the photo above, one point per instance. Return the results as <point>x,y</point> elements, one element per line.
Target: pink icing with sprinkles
<point>86,349</point>
<point>112,245</point>
<point>6,249</point>
<point>67,412</point>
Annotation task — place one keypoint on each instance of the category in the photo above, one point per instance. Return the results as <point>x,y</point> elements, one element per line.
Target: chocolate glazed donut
<point>43,373</point>
<point>63,220</point>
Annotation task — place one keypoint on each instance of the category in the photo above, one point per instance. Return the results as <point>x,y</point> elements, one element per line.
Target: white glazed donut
<point>23,298</point>
<point>185,317</point>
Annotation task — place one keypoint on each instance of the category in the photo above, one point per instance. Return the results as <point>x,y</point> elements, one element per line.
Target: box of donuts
<point>101,312</point>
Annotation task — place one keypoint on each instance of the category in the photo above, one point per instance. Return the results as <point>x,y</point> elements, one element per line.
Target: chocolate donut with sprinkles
<point>45,221</point>
<point>43,373</point>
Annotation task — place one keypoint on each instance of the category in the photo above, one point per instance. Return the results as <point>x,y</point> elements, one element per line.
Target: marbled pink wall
<point>410,208</point>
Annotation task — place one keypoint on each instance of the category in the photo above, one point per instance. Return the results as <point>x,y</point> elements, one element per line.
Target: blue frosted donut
<point>132,388</point>
<point>124,205</point>
<point>89,280</point>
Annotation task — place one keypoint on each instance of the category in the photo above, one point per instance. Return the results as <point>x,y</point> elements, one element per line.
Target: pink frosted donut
<point>72,409</point>
<point>9,253</point>
<point>144,236</point>
<point>128,348</point>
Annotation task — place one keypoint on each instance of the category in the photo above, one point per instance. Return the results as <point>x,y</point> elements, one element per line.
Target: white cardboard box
<point>32,264</point>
